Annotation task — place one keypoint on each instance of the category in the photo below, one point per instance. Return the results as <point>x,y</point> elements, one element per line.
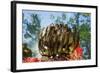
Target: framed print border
<point>14,35</point>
